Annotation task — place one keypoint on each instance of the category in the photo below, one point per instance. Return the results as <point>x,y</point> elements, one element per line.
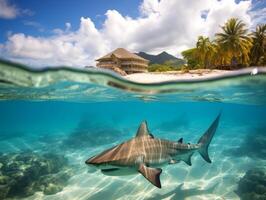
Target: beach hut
<point>123,62</point>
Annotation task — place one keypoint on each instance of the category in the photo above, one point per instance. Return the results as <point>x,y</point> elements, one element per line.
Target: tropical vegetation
<point>233,47</point>
<point>258,50</point>
<point>162,62</point>
<point>162,67</point>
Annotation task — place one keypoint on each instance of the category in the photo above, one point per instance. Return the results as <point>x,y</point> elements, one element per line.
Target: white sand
<point>155,77</point>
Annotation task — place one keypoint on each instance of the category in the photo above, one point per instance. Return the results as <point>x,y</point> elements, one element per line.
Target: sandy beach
<point>155,77</point>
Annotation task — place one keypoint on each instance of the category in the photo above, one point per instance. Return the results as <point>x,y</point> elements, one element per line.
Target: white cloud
<point>34,24</point>
<point>8,11</point>
<point>27,12</point>
<point>170,25</point>
<point>65,48</point>
<point>149,7</point>
<point>258,13</point>
<point>11,11</point>
<point>68,26</point>
<point>222,10</point>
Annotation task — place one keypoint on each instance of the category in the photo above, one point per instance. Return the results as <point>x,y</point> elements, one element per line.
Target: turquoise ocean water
<point>51,121</point>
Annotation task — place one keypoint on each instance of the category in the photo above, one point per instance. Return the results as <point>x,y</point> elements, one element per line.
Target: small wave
<point>75,84</point>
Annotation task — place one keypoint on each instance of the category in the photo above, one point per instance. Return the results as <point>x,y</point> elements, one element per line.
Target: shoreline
<point>156,77</point>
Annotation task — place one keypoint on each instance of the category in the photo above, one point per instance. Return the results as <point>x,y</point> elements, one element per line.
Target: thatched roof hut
<point>123,62</point>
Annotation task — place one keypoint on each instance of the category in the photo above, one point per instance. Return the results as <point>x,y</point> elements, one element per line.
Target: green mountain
<point>162,58</point>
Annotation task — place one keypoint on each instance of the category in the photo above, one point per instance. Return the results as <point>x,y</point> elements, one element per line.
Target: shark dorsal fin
<point>180,140</point>
<point>143,130</point>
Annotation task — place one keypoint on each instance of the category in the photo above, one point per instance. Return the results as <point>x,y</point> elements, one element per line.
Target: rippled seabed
<point>53,120</point>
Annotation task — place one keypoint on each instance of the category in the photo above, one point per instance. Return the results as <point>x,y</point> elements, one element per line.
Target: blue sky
<point>48,15</point>
<point>75,33</point>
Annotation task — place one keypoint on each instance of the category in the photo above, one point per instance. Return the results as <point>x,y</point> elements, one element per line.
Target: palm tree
<point>219,57</point>
<point>190,56</point>
<point>234,42</point>
<point>258,49</point>
<point>205,51</point>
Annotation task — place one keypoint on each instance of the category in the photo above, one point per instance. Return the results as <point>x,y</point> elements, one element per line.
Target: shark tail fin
<point>206,138</point>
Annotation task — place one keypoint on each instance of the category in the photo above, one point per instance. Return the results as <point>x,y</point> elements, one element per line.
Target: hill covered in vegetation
<point>162,62</point>
<point>161,58</point>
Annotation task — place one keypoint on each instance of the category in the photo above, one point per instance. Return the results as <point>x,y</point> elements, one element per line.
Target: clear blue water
<point>76,117</point>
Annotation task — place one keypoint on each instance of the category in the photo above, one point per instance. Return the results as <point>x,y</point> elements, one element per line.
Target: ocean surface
<point>53,120</point>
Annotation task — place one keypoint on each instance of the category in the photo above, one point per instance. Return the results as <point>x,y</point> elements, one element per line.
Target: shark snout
<point>91,161</point>
<point>95,163</point>
<point>88,162</point>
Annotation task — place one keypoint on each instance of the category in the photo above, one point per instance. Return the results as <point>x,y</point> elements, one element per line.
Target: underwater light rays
<point>134,187</point>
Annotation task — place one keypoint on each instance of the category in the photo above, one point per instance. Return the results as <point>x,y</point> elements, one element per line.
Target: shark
<point>146,154</point>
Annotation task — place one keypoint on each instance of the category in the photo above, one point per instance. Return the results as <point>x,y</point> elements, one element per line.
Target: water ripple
<point>75,84</point>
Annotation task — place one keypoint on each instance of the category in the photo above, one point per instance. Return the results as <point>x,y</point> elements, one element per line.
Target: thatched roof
<point>122,53</point>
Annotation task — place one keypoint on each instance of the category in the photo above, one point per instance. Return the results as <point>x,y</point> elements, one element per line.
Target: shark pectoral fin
<point>151,174</point>
<point>187,159</point>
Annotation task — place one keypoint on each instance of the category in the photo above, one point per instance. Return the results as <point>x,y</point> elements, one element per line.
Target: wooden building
<point>123,62</point>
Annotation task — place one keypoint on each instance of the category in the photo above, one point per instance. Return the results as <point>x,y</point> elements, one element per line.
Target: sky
<point>75,33</point>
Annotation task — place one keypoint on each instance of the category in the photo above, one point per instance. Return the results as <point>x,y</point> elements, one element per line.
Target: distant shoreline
<point>155,77</point>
